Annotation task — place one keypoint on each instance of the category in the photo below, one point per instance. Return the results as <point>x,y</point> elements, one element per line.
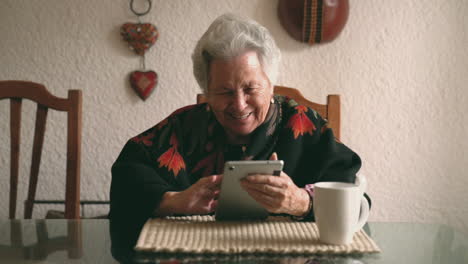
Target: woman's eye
<point>226,93</point>
<point>249,90</point>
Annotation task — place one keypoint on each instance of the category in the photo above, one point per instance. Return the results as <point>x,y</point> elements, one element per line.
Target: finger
<point>262,188</point>
<point>208,193</point>
<point>267,190</point>
<point>213,187</point>
<point>274,156</point>
<point>211,182</point>
<point>216,182</point>
<point>284,175</point>
<point>217,179</point>
<point>213,205</point>
<point>267,179</point>
<point>267,202</point>
<point>203,206</point>
<point>213,179</point>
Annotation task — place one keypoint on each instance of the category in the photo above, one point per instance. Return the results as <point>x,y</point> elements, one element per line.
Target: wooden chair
<point>330,111</point>
<point>18,90</point>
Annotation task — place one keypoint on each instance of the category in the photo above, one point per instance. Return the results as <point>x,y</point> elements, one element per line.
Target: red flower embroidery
<point>171,158</point>
<point>300,123</point>
<point>211,164</point>
<point>207,164</point>
<point>145,139</point>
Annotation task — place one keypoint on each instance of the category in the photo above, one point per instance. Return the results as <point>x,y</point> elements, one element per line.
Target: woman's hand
<point>200,198</point>
<point>277,194</point>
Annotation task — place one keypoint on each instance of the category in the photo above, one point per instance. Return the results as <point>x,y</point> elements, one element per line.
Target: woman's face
<point>239,94</point>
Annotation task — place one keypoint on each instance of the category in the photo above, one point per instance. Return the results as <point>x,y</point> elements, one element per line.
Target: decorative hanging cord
<point>140,13</point>
<point>143,63</point>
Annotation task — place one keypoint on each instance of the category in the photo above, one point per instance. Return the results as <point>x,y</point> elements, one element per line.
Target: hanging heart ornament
<point>143,83</point>
<point>140,37</point>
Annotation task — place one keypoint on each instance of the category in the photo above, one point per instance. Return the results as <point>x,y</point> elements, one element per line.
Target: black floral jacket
<point>190,144</point>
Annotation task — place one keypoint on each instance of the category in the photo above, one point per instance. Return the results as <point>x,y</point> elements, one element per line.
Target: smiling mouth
<point>240,117</point>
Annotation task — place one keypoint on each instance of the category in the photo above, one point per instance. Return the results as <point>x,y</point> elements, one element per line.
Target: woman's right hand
<point>200,198</point>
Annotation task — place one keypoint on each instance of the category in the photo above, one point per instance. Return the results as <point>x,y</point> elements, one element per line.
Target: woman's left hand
<point>277,194</point>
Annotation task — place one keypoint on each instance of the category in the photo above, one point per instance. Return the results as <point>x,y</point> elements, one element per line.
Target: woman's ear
<point>272,94</point>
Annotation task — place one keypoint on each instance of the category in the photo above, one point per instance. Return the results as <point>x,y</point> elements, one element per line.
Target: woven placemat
<point>201,234</point>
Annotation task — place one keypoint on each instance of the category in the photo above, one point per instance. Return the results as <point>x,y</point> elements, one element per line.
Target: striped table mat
<point>201,234</point>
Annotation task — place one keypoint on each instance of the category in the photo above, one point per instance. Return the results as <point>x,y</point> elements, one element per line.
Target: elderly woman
<point>176,166</point>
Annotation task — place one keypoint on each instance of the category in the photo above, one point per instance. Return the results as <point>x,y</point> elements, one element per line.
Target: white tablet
<point>234,202</point>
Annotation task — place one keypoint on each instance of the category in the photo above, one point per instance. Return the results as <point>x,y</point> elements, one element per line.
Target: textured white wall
<point>400,66</point>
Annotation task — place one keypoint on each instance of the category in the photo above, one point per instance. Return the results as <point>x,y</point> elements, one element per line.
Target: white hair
<point>229,36</point>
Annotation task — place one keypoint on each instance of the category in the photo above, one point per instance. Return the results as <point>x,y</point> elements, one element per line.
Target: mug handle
<point>361,181</point>
<point>364,213</point>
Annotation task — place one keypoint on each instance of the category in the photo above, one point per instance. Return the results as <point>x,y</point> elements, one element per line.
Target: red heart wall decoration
<point>143,83</point>
<point>140,37</point>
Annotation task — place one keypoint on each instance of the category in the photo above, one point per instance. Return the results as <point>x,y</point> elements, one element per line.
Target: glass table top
<point>102,241</point>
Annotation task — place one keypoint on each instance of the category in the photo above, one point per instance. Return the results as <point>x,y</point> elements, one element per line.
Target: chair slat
<point>334,114</point>
<point>72,209</point>
<point>15,131</point>
<point>39,131</point>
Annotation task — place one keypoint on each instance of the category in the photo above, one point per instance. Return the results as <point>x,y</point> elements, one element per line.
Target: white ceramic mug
<point>340,210</point>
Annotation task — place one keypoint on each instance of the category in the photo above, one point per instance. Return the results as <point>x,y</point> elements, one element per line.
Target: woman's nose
<point>239,101</point>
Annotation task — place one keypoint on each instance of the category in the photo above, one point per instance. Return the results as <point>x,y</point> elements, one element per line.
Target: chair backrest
<point>18,90</point>
<point>330,111</point>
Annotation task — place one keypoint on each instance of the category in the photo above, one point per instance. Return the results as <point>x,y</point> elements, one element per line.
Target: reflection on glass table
<point>101,241</point>
<point>22,245</point>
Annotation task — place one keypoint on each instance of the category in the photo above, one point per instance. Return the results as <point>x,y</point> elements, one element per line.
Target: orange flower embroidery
<point>300,123</point>
<point>171,158</point>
